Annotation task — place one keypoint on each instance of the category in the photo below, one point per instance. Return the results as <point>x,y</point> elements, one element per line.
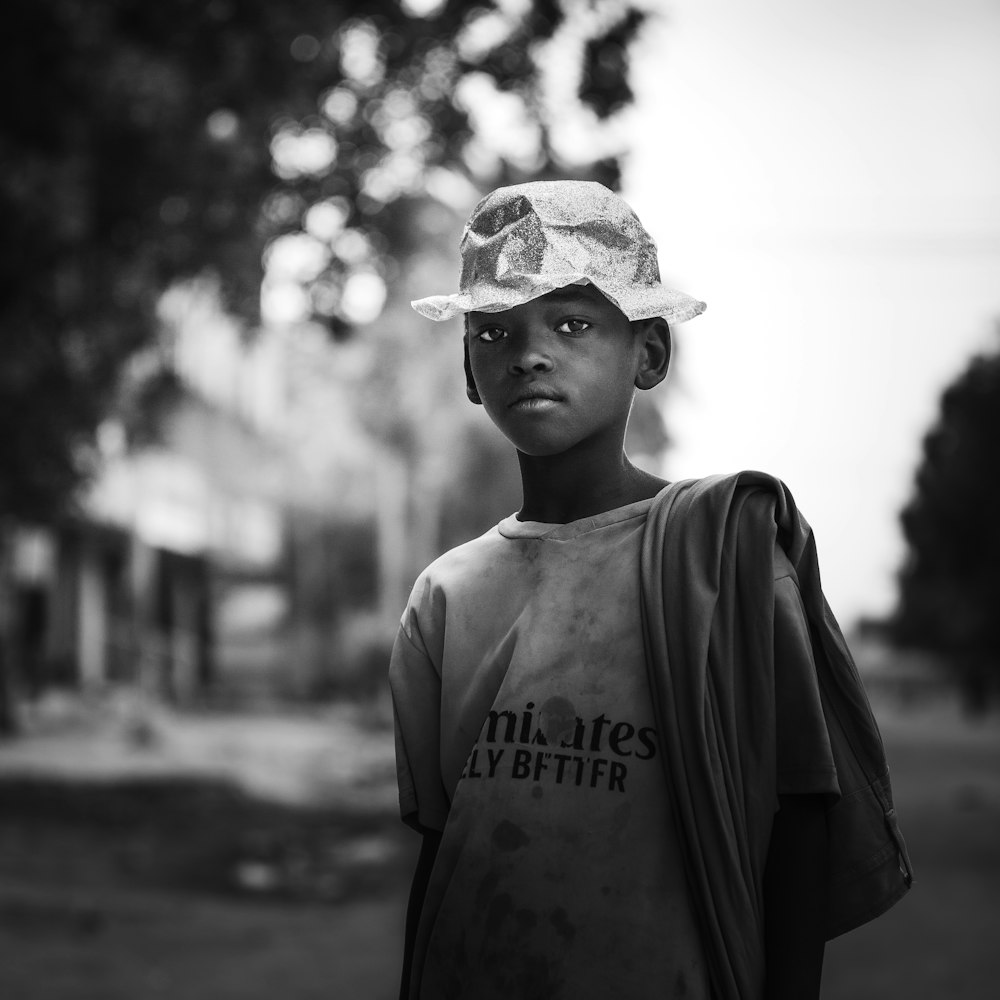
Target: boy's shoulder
<point>462,574</point>
<point>465,559</point>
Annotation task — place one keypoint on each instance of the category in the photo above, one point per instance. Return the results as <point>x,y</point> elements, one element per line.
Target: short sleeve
<point>805,763</point>
<point>416,699</point>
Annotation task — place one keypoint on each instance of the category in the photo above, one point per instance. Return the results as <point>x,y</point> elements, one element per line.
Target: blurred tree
<point>949,599</point>
<point>146,142</point>
<point>150,141</point>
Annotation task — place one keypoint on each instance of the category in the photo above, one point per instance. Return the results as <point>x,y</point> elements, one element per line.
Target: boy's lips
<point>534,396</point>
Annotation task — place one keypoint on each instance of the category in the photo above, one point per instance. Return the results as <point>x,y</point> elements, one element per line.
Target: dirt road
<point>198,893</point>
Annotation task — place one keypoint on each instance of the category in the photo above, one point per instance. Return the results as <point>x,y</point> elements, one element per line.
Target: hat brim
<point>635,303</point>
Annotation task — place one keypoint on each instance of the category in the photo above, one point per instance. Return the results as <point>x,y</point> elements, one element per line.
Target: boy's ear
<point>470,383</point>
<point>655,358</point>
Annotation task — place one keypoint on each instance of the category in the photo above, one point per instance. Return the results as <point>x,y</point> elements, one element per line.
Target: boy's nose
<point>531,357</point>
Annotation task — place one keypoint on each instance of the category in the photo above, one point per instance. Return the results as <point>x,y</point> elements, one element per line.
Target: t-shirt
<point>525,733</point>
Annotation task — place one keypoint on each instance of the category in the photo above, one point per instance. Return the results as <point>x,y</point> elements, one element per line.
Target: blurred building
<point>176,572</point>
<point>262,502</point>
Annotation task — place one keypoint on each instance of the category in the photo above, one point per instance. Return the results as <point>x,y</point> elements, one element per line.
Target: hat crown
<point>556,228</point>
<point>526,240</point>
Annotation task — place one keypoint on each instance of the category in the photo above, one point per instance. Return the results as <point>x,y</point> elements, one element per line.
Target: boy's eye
<point>491,334</point>
<point>573,326</point>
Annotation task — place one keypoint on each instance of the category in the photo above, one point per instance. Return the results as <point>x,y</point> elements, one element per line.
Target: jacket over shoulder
<point>709,621</point>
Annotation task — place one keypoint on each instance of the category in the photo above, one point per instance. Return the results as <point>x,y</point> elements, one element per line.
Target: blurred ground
<point>149,854</point>
<point>939,941</point>
<point>145,854</point>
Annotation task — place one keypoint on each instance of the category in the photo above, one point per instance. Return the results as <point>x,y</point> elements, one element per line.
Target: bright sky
<point>825,177</point>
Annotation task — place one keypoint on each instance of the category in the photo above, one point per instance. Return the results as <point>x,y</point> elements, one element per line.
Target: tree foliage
<point>950,584</point>
<point>146,142</point>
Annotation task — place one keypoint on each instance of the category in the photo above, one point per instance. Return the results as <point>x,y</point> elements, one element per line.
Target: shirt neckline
<point>511,527</point>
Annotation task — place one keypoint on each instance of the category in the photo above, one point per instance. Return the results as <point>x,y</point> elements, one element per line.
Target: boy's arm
<point>425,862</point>
<point>795,899</point>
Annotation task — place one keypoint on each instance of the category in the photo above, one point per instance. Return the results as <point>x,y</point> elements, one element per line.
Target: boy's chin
<point>542,441</point>
<point>539,449</point>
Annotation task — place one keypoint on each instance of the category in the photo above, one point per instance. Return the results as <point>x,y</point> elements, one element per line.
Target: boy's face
<point>556,371</point>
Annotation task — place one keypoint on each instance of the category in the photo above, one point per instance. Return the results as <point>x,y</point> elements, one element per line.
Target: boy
<point>625,719</point>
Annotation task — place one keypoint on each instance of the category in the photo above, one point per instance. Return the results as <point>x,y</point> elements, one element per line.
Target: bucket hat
<point>525,240</point>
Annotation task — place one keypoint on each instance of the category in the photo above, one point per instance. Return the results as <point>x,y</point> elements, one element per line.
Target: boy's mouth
<point>534,396</point>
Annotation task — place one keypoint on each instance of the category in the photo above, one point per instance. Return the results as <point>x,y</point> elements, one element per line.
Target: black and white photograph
<point>499,500</point>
